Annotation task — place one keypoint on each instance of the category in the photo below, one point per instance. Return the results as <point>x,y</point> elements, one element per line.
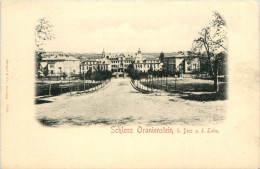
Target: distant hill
<point>83,56</point>
<point>90,56</point>
<point>156,55</point>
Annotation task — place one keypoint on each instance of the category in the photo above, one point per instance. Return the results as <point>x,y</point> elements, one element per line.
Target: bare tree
<point>213,40</point>
<point>43,33</point>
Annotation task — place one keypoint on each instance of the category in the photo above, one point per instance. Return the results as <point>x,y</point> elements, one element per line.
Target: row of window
<point>52,66</point>
<point>148,66</point>
<point>123,62</point>
<point>114,66</point>
<point>152,61</point>
<point>94,63</point>
<point>91,63</point>
<point>148,62</point>
<point>87,67</point>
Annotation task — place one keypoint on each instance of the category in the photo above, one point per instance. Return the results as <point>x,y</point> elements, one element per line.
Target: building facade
<point>95,64</point>
<point>182,63</point>
<point>58,63</point>
<point>120,62</point>
<point>144,64</point>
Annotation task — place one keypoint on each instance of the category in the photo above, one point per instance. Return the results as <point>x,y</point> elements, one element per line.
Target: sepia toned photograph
<point>129,84</point>
<point>161,80</point>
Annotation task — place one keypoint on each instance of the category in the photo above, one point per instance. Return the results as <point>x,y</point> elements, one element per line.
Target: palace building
<point>59,63</point>
<point>182,62</point>
<point>95,64</point>
<point>143,63</point>
<point>121,61</point>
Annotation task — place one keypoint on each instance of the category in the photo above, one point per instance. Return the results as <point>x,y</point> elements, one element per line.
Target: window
<point>51,65</point>
<point>194,66</point>
<point>189,68</point>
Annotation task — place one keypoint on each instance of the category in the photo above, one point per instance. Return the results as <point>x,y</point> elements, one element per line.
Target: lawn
<point>59,88</point>
<point>197,89</point>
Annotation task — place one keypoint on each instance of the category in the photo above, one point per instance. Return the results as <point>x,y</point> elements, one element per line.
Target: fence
<point>179,84</point>
<point>54,88</point>
<point>138,86</point>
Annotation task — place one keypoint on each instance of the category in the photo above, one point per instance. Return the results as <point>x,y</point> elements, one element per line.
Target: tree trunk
<point>175,84</point>
<point>61,87</point>
<point>166,84</point>
<point>78,87</point>
<point>161,82</point>
<point>216,87</point>
<point>84,85</point>
<point>141,84</point>
<point>211,71</point>
<point>152,83</point>
<point>147,82</point>
<point>50,89</point>
<point>69,86</point>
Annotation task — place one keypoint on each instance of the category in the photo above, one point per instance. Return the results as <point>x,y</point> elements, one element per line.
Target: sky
<point>125,27</point>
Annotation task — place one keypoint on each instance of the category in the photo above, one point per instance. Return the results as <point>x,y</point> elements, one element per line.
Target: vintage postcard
<point>121,84</point>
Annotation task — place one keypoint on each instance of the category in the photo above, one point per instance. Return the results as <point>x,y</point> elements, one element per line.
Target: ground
<point>119,103</point>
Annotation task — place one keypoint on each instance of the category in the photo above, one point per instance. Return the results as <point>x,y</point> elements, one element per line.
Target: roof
<point>90,60</point>
<point>180,54</point>
<point>168,55</point>
<point>94,60</point>
<point>91,56</point>
<point>129,58</point>
<point>150,55</point>
<point>60,58</point>
<point>151,58</point>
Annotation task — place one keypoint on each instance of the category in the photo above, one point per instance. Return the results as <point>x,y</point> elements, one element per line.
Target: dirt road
<point>120,104</point>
